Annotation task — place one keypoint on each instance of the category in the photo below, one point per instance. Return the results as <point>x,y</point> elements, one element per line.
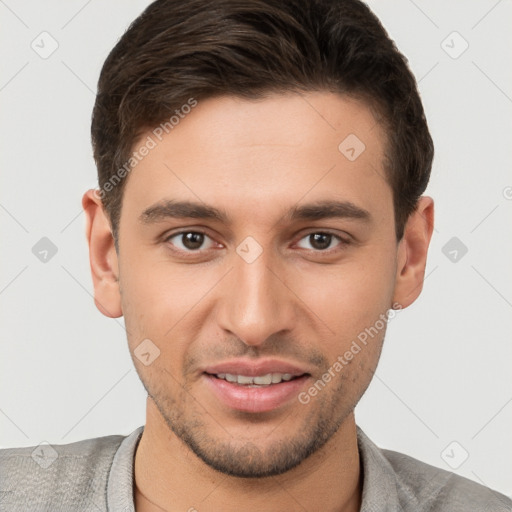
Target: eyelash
<point>341,245</point>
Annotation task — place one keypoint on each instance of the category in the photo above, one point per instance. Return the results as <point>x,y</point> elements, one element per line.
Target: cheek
<point>350,297</point>
<point>162,302</point>
<point>157,292</point>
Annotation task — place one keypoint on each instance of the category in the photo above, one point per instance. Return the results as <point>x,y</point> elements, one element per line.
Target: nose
<point>256,302</point>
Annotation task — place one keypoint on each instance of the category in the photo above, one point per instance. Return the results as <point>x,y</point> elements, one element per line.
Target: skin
<point>298,301</point>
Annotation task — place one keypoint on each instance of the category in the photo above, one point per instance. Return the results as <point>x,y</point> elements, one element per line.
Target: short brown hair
<point>182,49</point>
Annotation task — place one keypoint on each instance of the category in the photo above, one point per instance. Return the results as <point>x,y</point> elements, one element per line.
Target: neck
<point>169,476</point>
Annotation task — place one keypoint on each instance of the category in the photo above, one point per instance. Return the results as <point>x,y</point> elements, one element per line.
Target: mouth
<point>268,379</point>
<point>255,388</point>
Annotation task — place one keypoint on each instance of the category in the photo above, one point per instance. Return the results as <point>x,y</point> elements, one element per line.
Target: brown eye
<point>192,240</point>
<point>320,241</point>
<point>189,240</point>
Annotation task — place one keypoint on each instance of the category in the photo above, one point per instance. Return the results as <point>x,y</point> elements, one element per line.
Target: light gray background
<point>444,375</point>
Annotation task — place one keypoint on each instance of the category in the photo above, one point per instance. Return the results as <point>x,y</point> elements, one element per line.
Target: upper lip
<point>255,368</point>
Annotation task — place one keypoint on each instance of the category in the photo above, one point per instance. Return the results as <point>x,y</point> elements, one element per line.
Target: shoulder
<point>66,475</point>
<point>410,485</point>
<point>421,486</point>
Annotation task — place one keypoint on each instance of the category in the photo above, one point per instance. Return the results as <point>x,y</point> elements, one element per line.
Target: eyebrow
<point>319,210</point>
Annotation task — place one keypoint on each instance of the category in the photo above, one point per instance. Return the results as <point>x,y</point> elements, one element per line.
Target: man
<point>261,168</point>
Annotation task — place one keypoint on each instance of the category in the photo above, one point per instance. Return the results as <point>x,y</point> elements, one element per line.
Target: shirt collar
<point>379,479</point>
<point>121,478</point>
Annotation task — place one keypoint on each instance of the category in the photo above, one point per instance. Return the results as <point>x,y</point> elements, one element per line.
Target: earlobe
<point>102,256</point>
<point>412,253</point>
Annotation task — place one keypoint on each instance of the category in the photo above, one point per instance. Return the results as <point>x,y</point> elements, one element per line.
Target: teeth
<point>264,379</point>
<point>260,380</point>
<point>276,377</point>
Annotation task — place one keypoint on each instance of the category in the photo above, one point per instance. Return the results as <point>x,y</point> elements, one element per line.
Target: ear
<point>102,256</point>
<point>412,253</point>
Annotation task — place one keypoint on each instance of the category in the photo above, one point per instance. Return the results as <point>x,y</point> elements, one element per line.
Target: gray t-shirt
<point>97,475</point>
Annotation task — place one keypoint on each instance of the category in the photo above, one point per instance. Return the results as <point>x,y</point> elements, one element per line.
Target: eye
<point>190,241</point>
<point>321,241</point>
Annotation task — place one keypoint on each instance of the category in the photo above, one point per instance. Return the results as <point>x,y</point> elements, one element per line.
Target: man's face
<point>262,291</point>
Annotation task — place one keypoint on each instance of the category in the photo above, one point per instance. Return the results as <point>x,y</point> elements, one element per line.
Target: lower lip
<point>255,399</point>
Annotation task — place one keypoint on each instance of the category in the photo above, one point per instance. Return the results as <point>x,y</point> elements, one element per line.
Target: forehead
<point>259,155</point>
